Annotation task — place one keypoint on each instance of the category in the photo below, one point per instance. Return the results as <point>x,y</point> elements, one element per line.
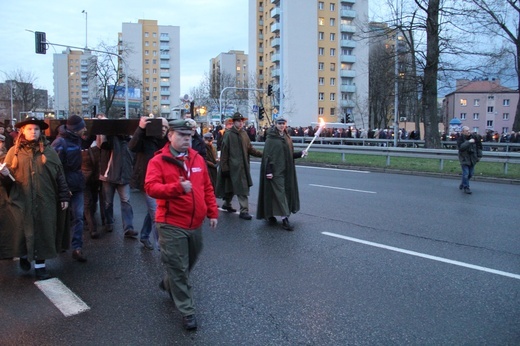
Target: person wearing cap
<point>234,176</point>
<point>211,158</point>
<point>144,147</point>
<point>38,199</point>
<point>278,189</point>
<point>68,146</point>
<point>177,178</point>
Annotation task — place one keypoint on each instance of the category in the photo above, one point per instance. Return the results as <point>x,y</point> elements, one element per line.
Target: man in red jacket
<point>178,179</point>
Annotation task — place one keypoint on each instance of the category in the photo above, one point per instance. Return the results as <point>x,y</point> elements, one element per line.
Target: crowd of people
<point>50,190</point>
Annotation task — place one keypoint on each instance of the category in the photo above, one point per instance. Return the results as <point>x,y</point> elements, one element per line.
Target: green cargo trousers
<point>180,249</point>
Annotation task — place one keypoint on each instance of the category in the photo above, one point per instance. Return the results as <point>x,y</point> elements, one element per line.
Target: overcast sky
<point>207,28</point>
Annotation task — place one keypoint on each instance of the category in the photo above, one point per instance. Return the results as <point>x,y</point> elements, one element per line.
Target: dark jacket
<point>469,153</point>
<point>234,174</point>
<point>278,196</point>
<point>115,165</point>
<point>145,147</point>
<point>68,146</point>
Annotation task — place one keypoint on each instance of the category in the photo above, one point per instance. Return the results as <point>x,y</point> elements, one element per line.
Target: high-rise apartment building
<point>230,70</point>
<point>75,90</point>
<point>314,55</point>
<point>152,54</point>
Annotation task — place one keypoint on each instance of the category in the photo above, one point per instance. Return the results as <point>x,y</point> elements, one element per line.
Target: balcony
<point>261,64</point>
<point>347,103</point>
<point>275,27</point>
<point>275,12</point>
<point>164,75</point>
<point>260,50</point>
<point>164,83</point>
<point>347,73</point>
<point>165,110</point>
<point>348,13</point>
<point>275,58</point>
<point>260,36</point>
<point>275,42</point>
<point>165,56</point>
<point>348,58</point>
<point>347,88</point>
<point>347,28</point>
<point>275,73</point>
<point>164,38</point>
<point>165,93</point>
<point>348,43</point>
<point>348,1</point>
<point>165,102</point>
<point>167,66</point>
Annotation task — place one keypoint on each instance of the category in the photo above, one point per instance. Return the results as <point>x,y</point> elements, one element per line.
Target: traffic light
<point>40,42</point>
<point>269,90</point>
<point>94,111</point>
<point>347,118</point>
<point>261,112</point>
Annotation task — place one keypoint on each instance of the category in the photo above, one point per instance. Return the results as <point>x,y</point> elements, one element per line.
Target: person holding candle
<point>278,189</point>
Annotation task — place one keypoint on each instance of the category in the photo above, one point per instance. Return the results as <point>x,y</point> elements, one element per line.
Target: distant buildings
<point>482,105</point>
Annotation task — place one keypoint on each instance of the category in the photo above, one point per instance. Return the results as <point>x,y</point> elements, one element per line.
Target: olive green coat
<point>278,196</point>
<point>37,225</point>
<point>234,158</point>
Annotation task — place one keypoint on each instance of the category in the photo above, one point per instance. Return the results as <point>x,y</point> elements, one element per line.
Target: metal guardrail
<point>503,157</point>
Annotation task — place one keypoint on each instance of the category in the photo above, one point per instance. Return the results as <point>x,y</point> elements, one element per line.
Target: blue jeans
<point>76,208</point>
<point>149,220</point>
<point>467,173</point>
<point>127,213</point>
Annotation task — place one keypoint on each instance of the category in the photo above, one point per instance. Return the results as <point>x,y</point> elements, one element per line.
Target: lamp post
<point>86,17</point>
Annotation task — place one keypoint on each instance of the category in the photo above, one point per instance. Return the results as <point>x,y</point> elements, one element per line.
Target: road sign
<point>255,108</point>
<point>275,110</point>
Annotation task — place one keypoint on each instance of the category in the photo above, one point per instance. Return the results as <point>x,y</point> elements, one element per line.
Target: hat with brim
<point>32,120</point>
<point>280,120</point>
<point>183,126</point>
<point>238,117</point>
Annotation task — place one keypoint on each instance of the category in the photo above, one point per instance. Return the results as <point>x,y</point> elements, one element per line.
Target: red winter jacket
<point>174,206</point>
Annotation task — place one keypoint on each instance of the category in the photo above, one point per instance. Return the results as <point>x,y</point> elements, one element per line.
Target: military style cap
<point>183,126</point>
<point>280,120</point>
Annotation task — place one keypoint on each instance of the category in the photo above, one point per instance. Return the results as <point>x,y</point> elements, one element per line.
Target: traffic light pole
<point>236,88</point>
<point>125,68</point>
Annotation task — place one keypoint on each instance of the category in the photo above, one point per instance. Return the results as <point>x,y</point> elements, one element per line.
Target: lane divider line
<point>341,188</point>
<point>422,255</point>
<point>62,297</point>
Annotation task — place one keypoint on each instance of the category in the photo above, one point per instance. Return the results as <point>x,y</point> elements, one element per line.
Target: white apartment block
<point>314,54</point>
<point>153,57</point>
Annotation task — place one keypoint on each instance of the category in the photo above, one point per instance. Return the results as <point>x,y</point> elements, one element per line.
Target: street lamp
<point>86,17</point>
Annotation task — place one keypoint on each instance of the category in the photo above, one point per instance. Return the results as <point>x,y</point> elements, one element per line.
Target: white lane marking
<point>62,297</point>
<point>418,254</point>
<point>341,188</point>
<point>333,169</point>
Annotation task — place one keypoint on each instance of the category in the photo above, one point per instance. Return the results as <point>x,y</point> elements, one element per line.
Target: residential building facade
<point>152,54</point>
<point>75,85</point>
<point>314,55</point>
<point>230,70</point>
<point>482,105</point>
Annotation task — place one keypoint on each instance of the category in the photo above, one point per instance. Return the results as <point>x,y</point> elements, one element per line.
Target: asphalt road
<point>375,258</point>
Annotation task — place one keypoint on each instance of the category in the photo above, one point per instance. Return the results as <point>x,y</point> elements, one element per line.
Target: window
<point>154,61</point>
<point>321,96</point>
<point>476,102</point>
<point>154,53</point>
<point>490,109</point>
<point>321,50</point>
<point>332,111</point>
<point>332,21</point>
<point>321,81</point>
<point>505,116</point>
<point>462,116</point>
<point>146,71</point>
<point>463,102</point>
<point>146,52</point>
<point>321,21</point>
<point>321,35</point>
<point>332,96</point>
<point>320,5</point>
<point>333,67</point>
<point>320,110</point>
<point>332,6</point>
<point>332,36</point>
<point>146,43</point>
<point>321,66</point>
<point>154,81</point>
<point>489,123</point>
<point>505,102</point>
<point>475,116</point>
<point>146,61</point>
<point>332,51</point>
<point>145,34</point>
<point>333,81</point>
<point>476,129</point>
<point>154,71</point>
<point>491,98</point>
<point>147,80</point>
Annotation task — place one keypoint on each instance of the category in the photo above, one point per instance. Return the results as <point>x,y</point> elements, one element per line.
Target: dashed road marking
<point>418,254</point>
<point>341,188</point>
<point>62,297</point>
